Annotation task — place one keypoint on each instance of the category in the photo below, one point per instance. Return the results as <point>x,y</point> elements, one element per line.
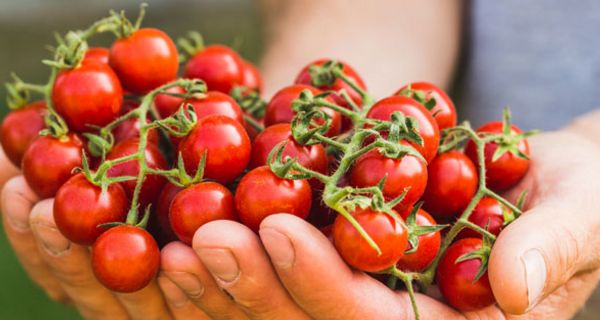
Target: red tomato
<point>130,128</point>
<point>488,213</point>
<point>197,205</point>
<point>48,163</point>
<point>163,205</point>
<point>125,258</point>
<point>509,169</point>
<point>80,206</point>
<point>455,279</point>
<point>428,129</point>
<point>219,66</point>
<point>389,234</point>
<point>279,109</point>
<point>261,193</point>
<point>87,95</point>
<point>406,172</point>
<point>20,128</point>
<point>444,111</point>
<point>251,77</point>
<point>216,102</point>
<point>167,105</point>
<point>429,245</point>
<point>145,60</point>
<point>96,55</point>
<point>227,146</point>
<point>451,184</point>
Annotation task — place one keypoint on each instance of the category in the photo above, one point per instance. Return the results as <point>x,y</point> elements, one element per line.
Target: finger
<point>181,265</point>
<point>145,304</point>
<point>7,169</point>
<point>70,264</point>
<point>17,200</point>
<point>180,306</point>
<point>235,257</point>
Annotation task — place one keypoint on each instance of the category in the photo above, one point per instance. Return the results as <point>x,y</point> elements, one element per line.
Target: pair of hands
<point>546,262</point>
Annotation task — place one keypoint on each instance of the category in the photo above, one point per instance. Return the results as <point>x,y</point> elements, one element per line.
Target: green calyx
<point>422,97</point>
<point>509,141</point>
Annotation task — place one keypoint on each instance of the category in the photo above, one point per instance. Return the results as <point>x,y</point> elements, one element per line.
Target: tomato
<point>80,207</point>
<point>145,60</point>
<point>261,193</point>
<point>427,249</point>
<point>226,144</point>
<point>87,95</point>
<point>451,184</point>
<point>130,128</point>
<point>213,102</point>
<point>406,172</point>
<point>197,205</point>
<point>455,279</point>
<point>48,163</point>
<point>509,169</point>
<point>390,235</point>
<point>251,77</point>
<point>489,213</point>
<point>163,205</point>
<point>279,109</point>
<point>427,127</point>
<point>96,55</point>
<point>219,66</point>
<point>20,128</point>
<point>125,258</point>
<point>167,105</point>
<point>443,111</point>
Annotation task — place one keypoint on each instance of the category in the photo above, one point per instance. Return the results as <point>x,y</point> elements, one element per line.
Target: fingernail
<point>52,240</point>
<point>221,263</point>
<point>173,294</point>
<point>188,282</point>
<point>18,219</point>
<point>535,275</point>
<point>279,247</point>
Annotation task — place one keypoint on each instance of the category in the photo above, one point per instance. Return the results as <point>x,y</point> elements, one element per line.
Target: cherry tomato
<point>279,109</point>
<point>215,102</point>
<point>130,128</point>
<point>80,207</point>
<point>429,245</point>
<point>197,205</point>
<point>226,144</point>
<point>219,66</point>
<point>509,169</point>
<point>125,258</point>
<point>87,95</point>
<point>167,105</point>
<point>145,60</point>
<point>261,193</point>
<point>390,235</point>
<point>251,77</point>
<point>96,55</point>
<point>406,172</point>
<point>48,163</point>
<point>455,279</point>
<point>451,184</point>
<point>489,213</point>
<point>443,111</point>
<point>20,128</point>
<point>427,129</point>
<point>165,199</point>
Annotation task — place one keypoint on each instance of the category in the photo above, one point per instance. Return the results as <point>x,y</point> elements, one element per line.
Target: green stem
<point>505,202</point>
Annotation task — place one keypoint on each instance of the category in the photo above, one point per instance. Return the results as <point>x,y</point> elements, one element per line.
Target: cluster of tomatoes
<point>124,137</point>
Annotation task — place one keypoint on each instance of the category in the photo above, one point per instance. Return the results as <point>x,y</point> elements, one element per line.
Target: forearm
<point>587,126</point>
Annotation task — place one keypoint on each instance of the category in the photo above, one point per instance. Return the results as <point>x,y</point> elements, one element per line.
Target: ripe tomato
<point>130,128</point>
<point>428,129</point>
<point>96,55</point>
<point>388,233</point>
<point>251,77</point>
<point>509,169</point>
<point>279,109</point>
<point>216,102</point>
<point>167,105</point>
<point>227,146</point>
<point>48,163</point>
<point>145,60</point>
<point>125,258</point>
<point>443,111</point>
<point>80,206</point>
<point>429,245</point>
<point>87,95</point>
<point>451,184</point>
<point>406,172</point>
<point>261,193</point>
<point>219,66</point>
<point>19,128</point>
<point>197,205</point>
<point>489,213</point>
<point>455,279</point>
<point>165,199</point>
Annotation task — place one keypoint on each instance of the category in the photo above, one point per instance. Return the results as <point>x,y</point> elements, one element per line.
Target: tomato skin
<point>125,258</point>
<point>509,169</point>
<point>96,54</point>
<point>197,205</point>
<point>428,129</point>
<point>219,66</point>
<point>451,184</point>
<point>167,105</point>
<point>389,234</point>
<point>87,95</point>
<point>227,145</point>
<point>145,60</point>
<point>408,171</point>
<point>261,193</point>
<point>444,111</point>
<point>429,245</point>
<point>251,77</point>
<point>20,128</point>
<point>489,213</point>
<point>130,128</point>
<point>165,199</point>
<point>455,280</point>
<point>48,163</point>
<point>216,102</point>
